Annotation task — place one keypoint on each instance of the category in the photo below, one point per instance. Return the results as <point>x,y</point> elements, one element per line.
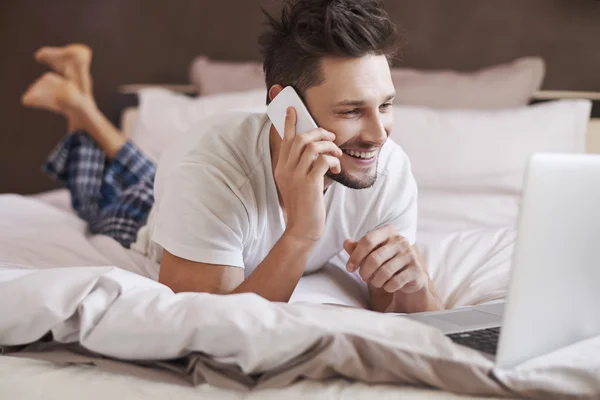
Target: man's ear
<point>274,91</point>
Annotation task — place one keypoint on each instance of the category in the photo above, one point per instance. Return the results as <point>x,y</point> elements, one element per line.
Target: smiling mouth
<point>361,155</point>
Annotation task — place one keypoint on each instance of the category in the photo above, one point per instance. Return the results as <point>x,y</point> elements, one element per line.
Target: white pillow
<point>469,165</point>
<point>497,86</point>
<point>165,115</point>
<point>469,266</point>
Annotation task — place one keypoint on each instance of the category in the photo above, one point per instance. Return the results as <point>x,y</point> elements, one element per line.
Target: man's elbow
<point>182,286</point>
<point>182,275</point>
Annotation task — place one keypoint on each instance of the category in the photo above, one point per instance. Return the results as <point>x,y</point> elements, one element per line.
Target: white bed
<point>469,261</point>
<point>40,228</point>
<point>45,233</point>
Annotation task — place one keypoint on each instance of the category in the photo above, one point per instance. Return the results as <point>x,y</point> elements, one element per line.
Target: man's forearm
<point>380,299</point>
<point>276,277</point>
<point>425,299</point>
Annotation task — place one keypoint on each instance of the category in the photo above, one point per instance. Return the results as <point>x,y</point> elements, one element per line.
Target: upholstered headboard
<point>153,41</point>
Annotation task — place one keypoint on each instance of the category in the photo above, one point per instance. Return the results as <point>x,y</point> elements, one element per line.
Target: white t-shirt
<point>216,201</point>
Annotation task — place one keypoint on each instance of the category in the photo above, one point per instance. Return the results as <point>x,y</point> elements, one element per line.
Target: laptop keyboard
<point>485,340</point>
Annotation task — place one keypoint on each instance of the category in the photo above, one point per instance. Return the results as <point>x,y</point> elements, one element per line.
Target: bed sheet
<point>468,266</point>
<point>25,378</point>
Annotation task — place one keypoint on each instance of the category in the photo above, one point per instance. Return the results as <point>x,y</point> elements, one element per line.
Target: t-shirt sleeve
<point>399,198</point>
<point>201,216</point>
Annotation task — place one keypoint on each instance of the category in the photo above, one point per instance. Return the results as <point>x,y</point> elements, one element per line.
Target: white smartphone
<point>278,106</point>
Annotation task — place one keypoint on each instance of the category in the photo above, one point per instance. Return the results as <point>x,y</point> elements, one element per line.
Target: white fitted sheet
<point>31,379</point>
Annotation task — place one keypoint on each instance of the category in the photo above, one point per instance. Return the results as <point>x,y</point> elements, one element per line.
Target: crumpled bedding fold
<point>243,341</point>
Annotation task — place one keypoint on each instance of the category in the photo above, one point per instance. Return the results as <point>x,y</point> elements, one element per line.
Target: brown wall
<point>142,41</point>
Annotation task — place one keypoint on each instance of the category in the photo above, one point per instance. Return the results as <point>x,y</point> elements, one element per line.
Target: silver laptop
<point>554,292</point>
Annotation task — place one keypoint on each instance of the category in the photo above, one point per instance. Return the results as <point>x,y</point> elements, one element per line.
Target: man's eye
<point>385,106</point>
<point>349,113</point>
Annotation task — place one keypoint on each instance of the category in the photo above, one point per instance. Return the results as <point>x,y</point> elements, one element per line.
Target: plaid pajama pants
<point>113,196</point>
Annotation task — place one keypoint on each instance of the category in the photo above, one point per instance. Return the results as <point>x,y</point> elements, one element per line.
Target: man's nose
<point>375,132</point>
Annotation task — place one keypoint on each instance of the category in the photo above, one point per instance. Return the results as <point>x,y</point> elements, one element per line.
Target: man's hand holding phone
<point>303,161</point>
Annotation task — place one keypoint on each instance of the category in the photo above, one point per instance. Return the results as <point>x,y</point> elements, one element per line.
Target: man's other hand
<point>386,260</point>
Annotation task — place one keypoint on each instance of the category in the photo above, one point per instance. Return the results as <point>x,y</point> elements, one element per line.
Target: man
<point>238,209</point>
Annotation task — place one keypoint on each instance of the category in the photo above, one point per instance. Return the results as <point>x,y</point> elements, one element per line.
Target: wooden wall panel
<point>153,41</point>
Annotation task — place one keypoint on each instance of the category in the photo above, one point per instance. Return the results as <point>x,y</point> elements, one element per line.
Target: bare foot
<point>51,92</point>
<point>54,93</point>
<point>72,61</point>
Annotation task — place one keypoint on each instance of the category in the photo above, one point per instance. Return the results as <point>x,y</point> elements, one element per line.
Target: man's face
<point>354,102</point>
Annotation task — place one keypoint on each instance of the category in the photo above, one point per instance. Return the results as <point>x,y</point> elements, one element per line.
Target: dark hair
<point>307,30</point>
